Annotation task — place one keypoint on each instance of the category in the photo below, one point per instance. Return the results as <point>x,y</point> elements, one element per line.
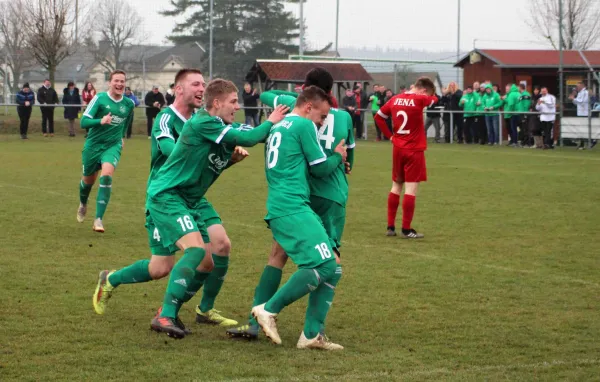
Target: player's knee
<point>159,270</point>
<point>278,257</point>
<point>327,270</point>
<point>396,188</point>
<point>222,246</point>
<point>206,265</point>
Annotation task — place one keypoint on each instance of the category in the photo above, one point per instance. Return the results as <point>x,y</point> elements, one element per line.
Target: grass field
<point>504,287</point>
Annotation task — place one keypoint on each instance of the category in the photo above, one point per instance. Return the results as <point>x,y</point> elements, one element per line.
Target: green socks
<point>266,288</point>
<point>319,303</point>
<point>132,274</point>
<point>84,192</point>
<point>302,282</point>
<point>196,284</point>
<point>214,282</point>
<point>103,196</point>
<point>182,276</point>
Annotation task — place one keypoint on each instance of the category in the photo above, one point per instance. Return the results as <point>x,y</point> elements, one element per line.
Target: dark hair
<point>425,83</point>
<point>25,85</point>
<point>218,88</point>
<point>86,85</point>
<point>46,79</point>
<point>320,78</point>
<point>522,86</point>
<point>70,83</point>
<point>118,71</point>
<point>183,73</point>
<point>313,94</point>
<point>537,87</point>
<point>470,87</point>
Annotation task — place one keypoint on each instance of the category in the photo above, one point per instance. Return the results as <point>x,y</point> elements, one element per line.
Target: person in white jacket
<point>582,100</point>
<point>547,107</point>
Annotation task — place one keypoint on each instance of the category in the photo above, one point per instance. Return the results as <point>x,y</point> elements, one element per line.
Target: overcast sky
<point>429,25</point>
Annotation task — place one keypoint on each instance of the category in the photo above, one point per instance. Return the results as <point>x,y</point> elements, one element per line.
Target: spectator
<point>47,96</point>
<point>433,118</point>
<point>546,105</point>
<point>480,121</point>
<point>455,94</point>
<point>129,94</point>
<point>511,98</point>
<point>491,102</point>
<point>523,106</point>
<point>468,104</point>
<point>388,96</point>
<point>445,103</point>
<point>476,87</point>
<point>376,98</point>
<point>534,121</point>
<point>496,88</point>
<point>250,97</point>
<point>88,93</point>
<point>362,101</point>
<point>25,100</point>
<point>582,100</point>
<point>170,97</point>
<point>154,101</point>
<point>71,113</point>
<point>402,89</point>
<point>349,103</point>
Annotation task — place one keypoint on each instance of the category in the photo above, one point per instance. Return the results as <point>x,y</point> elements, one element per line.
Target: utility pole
<point>458,44</point>
<point>76,21</point>
<point>560,66</point>
<point>301,45</point>
<point>210,44</point>
<point>337,23</point>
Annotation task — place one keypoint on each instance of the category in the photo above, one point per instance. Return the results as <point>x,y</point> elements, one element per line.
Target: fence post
<point>589,87</point>
<point>365,125</point>
<point>451,126</point>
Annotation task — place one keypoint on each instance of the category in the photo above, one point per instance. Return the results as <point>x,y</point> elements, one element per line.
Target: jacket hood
<point>66,91</point>
<point>514,88</point>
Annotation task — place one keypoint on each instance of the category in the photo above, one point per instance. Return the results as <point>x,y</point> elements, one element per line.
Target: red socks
<point>408,210</point>
<point>393,203</point>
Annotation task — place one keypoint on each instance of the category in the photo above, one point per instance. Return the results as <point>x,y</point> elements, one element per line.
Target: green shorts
<point>92,157</point>
<point>173,219</point>
<point>208,213</point>
<point>155,241</point>
<point>333,216</point>
<point>303,238</point>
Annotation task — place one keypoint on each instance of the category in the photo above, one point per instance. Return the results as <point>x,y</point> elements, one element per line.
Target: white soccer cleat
<point>267,322</point>
<point>81,211</point>
<point>98,226</point>
<point>319,342</point>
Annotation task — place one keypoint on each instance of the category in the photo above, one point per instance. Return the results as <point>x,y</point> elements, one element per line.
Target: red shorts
<point>408,166</point>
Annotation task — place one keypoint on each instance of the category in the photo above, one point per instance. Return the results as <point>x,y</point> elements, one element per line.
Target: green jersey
<point>201,153</point>
<point>101,105</point>
<point>337,126</point>
<point>292,146</point>
<point>165,132</point>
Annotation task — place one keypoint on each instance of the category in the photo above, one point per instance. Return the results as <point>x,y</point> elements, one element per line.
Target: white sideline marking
<point>366,246</point>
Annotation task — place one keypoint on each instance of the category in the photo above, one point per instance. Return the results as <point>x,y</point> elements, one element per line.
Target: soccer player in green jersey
<point>328,195</point>
<point>292,154</point>
<point>105,118</point>
<point>189,90</point>
<point>176,194</point>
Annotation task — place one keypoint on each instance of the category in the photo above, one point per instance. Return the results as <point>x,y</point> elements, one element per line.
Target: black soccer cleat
<point>391,231</point>
<point>411,234</point>
<point>248,332</point>
<point>178,322</point>
<point>167,325</point>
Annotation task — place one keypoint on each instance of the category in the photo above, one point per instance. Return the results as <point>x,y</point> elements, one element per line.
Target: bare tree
<point>118,25</point>
<point>12,38</point>
<point>581,22</point>
<point>48,30</point>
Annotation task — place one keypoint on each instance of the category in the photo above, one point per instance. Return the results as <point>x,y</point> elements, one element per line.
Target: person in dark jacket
<point>362,102</point>
<point>433,118</point>
<point>154,101</point>
<point>170,97</point>
<point>534,121</point>
<point>71,97</point>
<point>349,102</point>
<point>250,97</point>
<point>47,96</point>
<point>25,99</point>
<point>129,94</point>
<point>455,94</point>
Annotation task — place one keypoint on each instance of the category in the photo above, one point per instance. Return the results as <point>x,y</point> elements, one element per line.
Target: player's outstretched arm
<point>272,99</point>
<point>249,138</point>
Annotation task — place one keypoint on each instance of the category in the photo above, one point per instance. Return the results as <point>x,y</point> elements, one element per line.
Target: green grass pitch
<point>505,285</point>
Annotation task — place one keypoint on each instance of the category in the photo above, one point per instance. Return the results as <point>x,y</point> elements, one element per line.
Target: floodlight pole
<point>210,44</point>
<point>301,45</point>
<point>337,24</point>
<point>560,67</point>
<point>458,44</point>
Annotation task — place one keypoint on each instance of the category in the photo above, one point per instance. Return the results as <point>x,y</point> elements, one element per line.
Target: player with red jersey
<point>410,142</point>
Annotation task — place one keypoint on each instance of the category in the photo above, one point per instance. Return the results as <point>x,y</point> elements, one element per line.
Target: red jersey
<point>406,111</point>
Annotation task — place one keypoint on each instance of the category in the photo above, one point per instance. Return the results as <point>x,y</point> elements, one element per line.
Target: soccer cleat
<point>319,342</point>
<point>98,226</point>
<point>81,211</point>
<point>178,322</point>
<point>212,317</point>
<point>103,292</point>
<point>267,322</point>
<point>390,232</point>
<point>249,332</point>
<point>411,234</point>
<point>167,325</point>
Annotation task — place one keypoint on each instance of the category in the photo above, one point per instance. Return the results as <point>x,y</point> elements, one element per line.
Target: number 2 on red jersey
<point>401,130</point>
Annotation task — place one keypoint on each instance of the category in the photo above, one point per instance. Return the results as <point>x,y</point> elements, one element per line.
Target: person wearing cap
<point>25,100</point>
<point>71,113</point>
<point>154,101</point>
<point>129,94</point>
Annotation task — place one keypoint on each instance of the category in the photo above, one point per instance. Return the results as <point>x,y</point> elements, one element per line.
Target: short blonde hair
<point>217,89</point>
